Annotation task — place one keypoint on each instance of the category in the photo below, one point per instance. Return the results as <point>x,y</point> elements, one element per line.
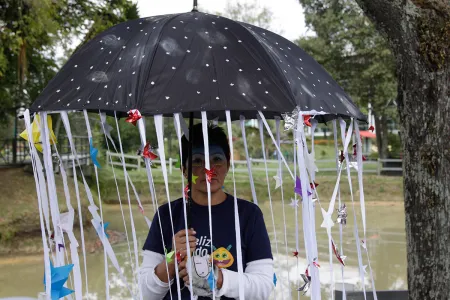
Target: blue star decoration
<point>59,276</point>
<point>275,279</point>
<point>105,226</point>
<point>211,280</point>
<point>93,152</point>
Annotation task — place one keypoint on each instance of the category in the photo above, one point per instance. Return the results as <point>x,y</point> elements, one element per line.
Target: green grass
<point>19,214</point>
<point>376,188</point>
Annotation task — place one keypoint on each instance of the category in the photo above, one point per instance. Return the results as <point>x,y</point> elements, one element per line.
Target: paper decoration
<point>277,179</point>
<point>186,191</point>
<point>93,152</point>
<point>133,116</point>
<point>363,244</point>
<point>210,174</point>
<point>194,179</point>
<point>275,279</point>
<point>313,185</point>
<point>178,256</point>
<point>105,226</point>
<point>327,221</point>
<point>342,215</point>
<point>295,253</point>
<point>36,131</point>
<point>298,187</point>
<point>371,128</point>
<point>211,280</point>
<point>339,257</point>
<point>294,203</point>
<point>290,120</point>
<point>307,282</point>
<point>169,256</point>
<point>148,152</point>
<point>59,276</point>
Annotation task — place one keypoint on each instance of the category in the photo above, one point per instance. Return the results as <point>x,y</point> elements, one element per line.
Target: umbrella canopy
<point>194,62</point>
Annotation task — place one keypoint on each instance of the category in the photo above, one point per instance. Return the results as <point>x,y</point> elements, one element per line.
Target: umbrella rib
<point>139,104</point>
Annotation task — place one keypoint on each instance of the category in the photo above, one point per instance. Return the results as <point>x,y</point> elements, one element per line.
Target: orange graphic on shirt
<point>222,257</point>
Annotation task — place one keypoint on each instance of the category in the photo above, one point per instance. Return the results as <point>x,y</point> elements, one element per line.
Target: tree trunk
<point>381,134</point>
<point>419,33</point>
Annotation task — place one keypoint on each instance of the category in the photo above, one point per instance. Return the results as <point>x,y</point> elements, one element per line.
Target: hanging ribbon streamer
<point>65,119</point>
<point>344,295</point>
<point>127,180</point>
<point>263,149</point>
<point>66,225</point>
<point>208,185</point>
<point>307,211</point>
<point>178,131</point>
<point>106,131</point>
<point>361,198</point>
<point>280,174</point>
<point>53,199</point>
<point>88,127</point>
<point>34,158</point>
<point>237,225</point>
<point>355,232</point>
<point>249,163</point>
<point>148,169</point>
<point>297,247</point>
<point>275,143</point>
<point>162,156</point>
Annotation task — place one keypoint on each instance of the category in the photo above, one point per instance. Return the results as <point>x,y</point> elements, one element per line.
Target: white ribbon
<point>54,208</point>
<point>66,225</point>
<point>34,157</point>
<point>249,163</point>
<point>275,143</point>
<point>280,173</point>
<point>361,198</point>
<point>208,185</point>
<point>106,131</point>
<point>65,119</point>
<point>338,171</point>
<point>88,127</point>
<point>178,131</point>
<point>162,156</point>
<point>148,169</point>
<point>307,212</point>
<point>355,231</point>
<point>237,226</point>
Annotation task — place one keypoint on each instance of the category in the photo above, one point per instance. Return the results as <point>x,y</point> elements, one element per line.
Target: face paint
<point>217,157</point>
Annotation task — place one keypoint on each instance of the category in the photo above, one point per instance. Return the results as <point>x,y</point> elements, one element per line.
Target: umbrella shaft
<point>191,137</point>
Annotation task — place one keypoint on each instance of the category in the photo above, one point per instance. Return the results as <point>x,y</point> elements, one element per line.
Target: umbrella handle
<point>191,137</point>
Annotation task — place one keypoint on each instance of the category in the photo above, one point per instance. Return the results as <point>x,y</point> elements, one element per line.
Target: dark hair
<point>216,136</point>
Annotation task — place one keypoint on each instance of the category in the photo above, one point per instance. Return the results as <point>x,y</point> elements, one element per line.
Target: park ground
<point>19,217</point>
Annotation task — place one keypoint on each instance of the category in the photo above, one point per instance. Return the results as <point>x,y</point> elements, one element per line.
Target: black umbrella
<point>192,62</point>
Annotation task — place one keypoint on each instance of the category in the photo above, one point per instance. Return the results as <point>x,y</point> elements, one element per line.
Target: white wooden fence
<point>370,166</point>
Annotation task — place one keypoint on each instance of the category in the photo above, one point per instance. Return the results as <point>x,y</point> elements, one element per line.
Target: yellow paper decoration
<point>36,131</point>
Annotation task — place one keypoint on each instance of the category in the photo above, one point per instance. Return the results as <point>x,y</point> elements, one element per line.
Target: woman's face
<point>218,163</point>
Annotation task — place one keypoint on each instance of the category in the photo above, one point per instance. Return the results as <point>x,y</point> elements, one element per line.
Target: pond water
<point>22,276</point>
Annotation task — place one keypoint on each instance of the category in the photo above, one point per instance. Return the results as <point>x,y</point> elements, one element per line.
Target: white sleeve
<point>152,287</point>
<point>258,281</point>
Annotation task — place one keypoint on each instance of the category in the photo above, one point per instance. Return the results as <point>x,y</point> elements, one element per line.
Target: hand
<point>183,272</point>
<point>179,242</point>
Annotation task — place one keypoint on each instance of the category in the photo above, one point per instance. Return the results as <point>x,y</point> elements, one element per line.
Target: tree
<point>248,12</point>
<point>30,31</point>
<point>418,32</point>
<point>356,55</point>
